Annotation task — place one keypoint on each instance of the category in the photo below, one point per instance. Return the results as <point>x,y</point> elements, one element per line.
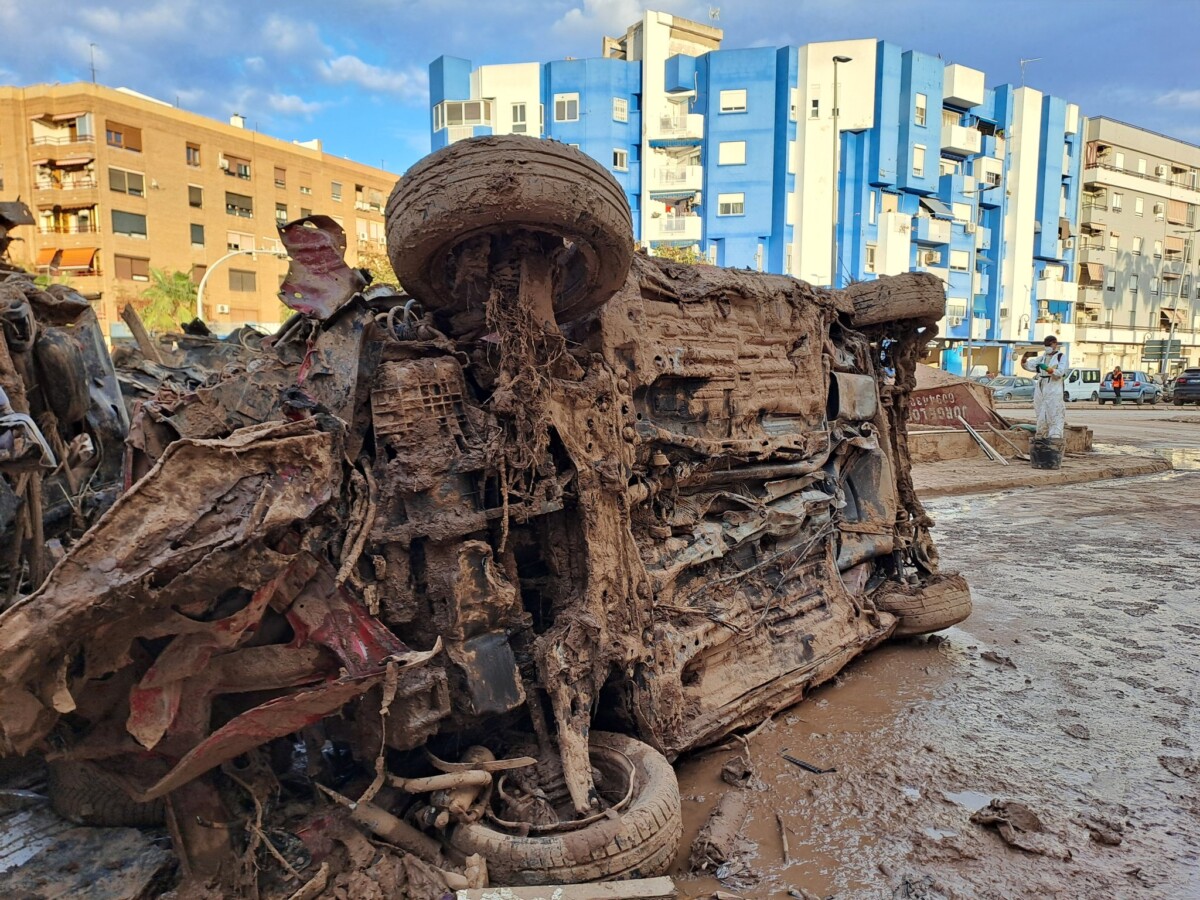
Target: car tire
<point>1096,397</point>
<point>83,793</point>
<point>1066,396</point>
<point>1003,397</point>
<point>503,184</point>
<point>1141,398</point>
<point>641,841</point>
<point>943,601</point>
<point>1153,399</point>
<point>1177,402</point>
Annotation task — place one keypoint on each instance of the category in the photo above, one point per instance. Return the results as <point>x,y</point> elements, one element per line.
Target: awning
<point>939,209</point>
<point>76,258</point>
<point>44,161</point>
<point>1177,212</point>
<point>46,256</point>
<point>1095,227</point>
<point>1168,314</point>
<point>67,117</point>
<point>1064,228</point>
<point>75,161</point>
<point>1174,243</point>
<point>1095,272</point>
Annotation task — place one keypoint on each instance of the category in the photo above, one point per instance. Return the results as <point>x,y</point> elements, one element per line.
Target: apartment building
<point>831,161</point>
<point>121,183</point>
<point>1139,273</point>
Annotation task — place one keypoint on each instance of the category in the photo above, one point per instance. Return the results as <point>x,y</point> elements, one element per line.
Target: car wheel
<point>1178,402</point>
<point>1141,398</point>
<point>1096,397</point>
<point>1004,396</point>
<point>639,841</point>
<point>944,601</point>
<point>505,185</point>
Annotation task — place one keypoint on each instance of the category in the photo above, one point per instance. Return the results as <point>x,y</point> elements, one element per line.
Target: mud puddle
<point>1072,689</point>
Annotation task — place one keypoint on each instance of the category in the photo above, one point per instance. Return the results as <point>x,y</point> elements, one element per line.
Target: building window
<point>1113,240</point>
<point>305,213</point>
<point>1141,167</point>
<point>814,108</point>
<point>335,191</point>
<point>280,177</point>
<point>239,205</point>
<point>460,113</point>
<point>123,137</point>
<point>922,109</point>
<point>960,260</point>
<point>1158,249</point>
<point>872,201</point>
<point>731,204</point>
<point>519,123</point>
<point>305,189</point>
<point>1139,204</point>
<point>193,154</point>
<point>1137,246</point>
<point>566,107</point>
<point>197,235</point>
<point>1133,284</point>
<point>1154,285</point>
<point>733,101</point>
<point>281,213</point>
<point>236,166</point>
<point>621,160</point>
<point>195,196</point>
<point>242,280</point>
<point>128,224</point>
<point>198,273</point>
<point>131,183</point>
<point>947,166</point>
<point>1160,212</point>
<point>620,109</point>
<point>731,153</point>
<point>794,109</point>
<point>870,263</point>
<point>918,161</point>
<point>131,268</point>
<point>236,240</point>
<point>1110,280</point>
<point>1119,162</point>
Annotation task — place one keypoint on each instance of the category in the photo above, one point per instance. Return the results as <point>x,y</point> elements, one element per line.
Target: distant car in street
<point>1011,387</point>
<point>1186,388</point>
<point>1082,384</point>
<point>1139,388</point>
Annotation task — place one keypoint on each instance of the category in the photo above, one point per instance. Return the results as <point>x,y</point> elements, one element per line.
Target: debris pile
<point>426,590</point>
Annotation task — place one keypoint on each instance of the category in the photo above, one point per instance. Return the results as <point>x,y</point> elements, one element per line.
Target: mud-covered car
<point>481,558</point>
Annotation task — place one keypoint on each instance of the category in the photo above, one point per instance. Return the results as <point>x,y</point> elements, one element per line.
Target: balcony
<point>928,230</point>
<point>1043,328</point>
<point>983,238</point>
<point>675,228</point>
<point>70,228</point>
<point>980,329</point>
<point>1053,291</point>
<point>961,141</point>
<point>680,179</point>
<point>688,127</point>
<point>1092,252</point>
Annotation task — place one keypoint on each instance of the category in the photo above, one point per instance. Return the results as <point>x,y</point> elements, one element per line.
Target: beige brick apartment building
<point>121,183</point>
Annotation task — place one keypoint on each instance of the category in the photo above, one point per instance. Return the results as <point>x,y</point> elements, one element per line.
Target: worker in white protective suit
<point>1048,370</point>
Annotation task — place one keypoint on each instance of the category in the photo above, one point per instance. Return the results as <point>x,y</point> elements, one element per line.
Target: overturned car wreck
<point>472,563</point>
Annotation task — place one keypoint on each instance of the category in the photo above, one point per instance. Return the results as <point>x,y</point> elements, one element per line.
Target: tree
<point>687,255</point>
<point>170,298</point>
<point>376,262</point>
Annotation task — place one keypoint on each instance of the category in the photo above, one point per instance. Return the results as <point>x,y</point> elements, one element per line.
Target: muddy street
<point>1072,689</point>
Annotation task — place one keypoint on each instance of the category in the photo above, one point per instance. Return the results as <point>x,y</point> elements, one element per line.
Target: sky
<point>355,72</point>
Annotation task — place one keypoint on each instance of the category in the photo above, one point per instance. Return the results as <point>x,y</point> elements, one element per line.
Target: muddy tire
<point>508,184</point>
<point>641,842</point>
<point>924,609</point>
<point>85,794</point>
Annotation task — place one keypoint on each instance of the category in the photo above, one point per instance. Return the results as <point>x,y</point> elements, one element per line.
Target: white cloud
<point>291,105</point>
<point>1179,99</point>
<point>412,83</point>
<point>594,19</point>
<point>287,37</point>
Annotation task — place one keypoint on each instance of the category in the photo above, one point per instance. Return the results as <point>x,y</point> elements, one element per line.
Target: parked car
<point>1082,384</point>
<point>1139,388</point>
<point>1187,387</point>
<point>1012,387</point>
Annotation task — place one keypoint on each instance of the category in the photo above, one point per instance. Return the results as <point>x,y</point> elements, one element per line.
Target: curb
<point>1025,477</point>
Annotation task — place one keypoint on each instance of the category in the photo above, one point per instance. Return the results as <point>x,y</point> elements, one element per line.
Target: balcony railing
<point>75,228</point>
<point>675,224</point>
<point>63,139</point>
<point>1180,179</point>
<point>46,184</point>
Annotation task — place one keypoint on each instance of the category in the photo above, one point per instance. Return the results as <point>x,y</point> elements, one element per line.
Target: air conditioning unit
<point>1160,171</point>
<point>223,308</point>
<point>970,227</point>
<point>1069,244</point>
<point>954,320</point>
<point>930,258</point>
<point>224,164</point>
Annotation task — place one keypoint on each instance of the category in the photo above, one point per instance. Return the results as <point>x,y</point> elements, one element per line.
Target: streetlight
<point>282,254</point>
<point>833,252</point>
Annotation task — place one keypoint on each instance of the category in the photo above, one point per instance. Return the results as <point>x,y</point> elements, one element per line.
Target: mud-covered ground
<point>1073,688</point>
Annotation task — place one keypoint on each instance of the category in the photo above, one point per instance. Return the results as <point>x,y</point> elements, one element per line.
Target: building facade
<point>121,183</point>
<point>772,158</point>
<point>1139,275</point>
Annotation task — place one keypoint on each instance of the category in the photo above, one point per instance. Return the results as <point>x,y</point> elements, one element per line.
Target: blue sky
<point>354,72</point>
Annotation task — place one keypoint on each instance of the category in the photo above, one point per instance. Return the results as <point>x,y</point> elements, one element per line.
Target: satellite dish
<point>714,13</point>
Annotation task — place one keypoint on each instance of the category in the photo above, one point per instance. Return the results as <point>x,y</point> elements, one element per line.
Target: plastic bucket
<point>1046,453</point>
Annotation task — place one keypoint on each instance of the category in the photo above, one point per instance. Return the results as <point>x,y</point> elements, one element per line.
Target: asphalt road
<point>1161,426</point>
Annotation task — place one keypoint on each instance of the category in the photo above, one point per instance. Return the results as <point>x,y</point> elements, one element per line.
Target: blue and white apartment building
<point>733,152</point>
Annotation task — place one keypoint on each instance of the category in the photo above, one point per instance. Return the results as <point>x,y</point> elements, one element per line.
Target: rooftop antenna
<point>1023,63</point>
<point>92,52</point>
<point>714,13</point>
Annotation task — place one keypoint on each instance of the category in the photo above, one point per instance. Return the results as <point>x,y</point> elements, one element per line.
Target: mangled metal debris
<point>472,565</point>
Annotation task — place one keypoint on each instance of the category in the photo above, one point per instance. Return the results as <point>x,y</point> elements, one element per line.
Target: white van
<point>1082,384</point>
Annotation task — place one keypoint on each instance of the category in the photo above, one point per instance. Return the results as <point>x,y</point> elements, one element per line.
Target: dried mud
<point>1072,690</point>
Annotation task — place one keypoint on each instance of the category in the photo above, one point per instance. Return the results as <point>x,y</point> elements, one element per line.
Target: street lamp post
<point>1162,366</point>
<point>282,254</point>
<point>833,252</point>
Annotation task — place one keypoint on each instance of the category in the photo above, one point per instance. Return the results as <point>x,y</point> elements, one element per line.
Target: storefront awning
<point>939,209</point>
<point>46,256</point>
<point>76,258</point>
